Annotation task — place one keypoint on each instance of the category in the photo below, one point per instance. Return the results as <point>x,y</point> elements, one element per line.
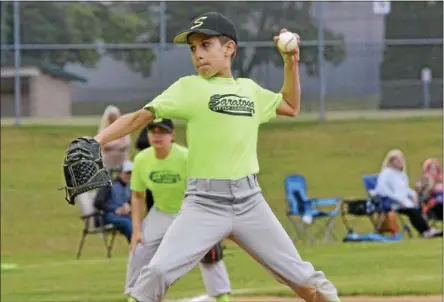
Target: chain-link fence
<point>121,52</point>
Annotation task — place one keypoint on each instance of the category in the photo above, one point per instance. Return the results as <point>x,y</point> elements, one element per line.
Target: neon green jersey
<point>166,178</point>
<point>223,117</point>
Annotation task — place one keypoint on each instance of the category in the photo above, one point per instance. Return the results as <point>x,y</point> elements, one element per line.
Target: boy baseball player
<point>162,168</point>
<point>223,198</point>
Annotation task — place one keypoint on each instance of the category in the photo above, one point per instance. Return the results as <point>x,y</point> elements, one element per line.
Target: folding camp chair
<point>94,224</point>
<point>301,208</point>
<point>382,204</point>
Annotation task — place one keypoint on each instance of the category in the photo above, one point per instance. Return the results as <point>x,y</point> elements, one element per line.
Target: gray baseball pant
<point>216,209</point>
<point>154,227</point>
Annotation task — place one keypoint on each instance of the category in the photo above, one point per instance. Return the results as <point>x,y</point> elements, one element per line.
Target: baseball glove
<point>83,168</point>
<point>214,255</point>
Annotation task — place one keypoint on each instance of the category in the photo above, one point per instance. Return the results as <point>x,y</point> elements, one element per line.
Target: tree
<point>81,23</point>
<point>260,21</point>
<point>413,20</point>
<point>404,61</point>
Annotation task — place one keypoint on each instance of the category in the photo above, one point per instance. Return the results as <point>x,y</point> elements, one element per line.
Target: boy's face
<point>210,57</point>
<point>159,137</point>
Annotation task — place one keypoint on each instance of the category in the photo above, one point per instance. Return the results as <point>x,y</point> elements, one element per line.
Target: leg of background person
<point>121,223</point>
<point>216,280</point>
<point>416,219</point>
<point>154,227</point>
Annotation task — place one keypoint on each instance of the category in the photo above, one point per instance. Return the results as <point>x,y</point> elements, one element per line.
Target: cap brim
<point>151,126</point>
<point>182,37</point>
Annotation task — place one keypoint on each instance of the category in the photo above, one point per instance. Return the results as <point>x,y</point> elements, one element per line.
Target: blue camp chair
<point>382,204</point>
<point>300,206</point>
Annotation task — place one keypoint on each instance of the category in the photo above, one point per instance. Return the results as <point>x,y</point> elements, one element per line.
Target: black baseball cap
<point>212,24</point>
<point>162,123</point>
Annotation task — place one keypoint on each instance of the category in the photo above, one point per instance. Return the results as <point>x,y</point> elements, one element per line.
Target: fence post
<point>17,84</point>
<point>162,34</point>
<point>321,61</point>
<point>3,29</point>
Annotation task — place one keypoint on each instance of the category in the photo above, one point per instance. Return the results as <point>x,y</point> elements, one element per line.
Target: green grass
<point>40,231</point>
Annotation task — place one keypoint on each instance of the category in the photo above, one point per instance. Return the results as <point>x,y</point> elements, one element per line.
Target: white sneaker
<point>430,233</point>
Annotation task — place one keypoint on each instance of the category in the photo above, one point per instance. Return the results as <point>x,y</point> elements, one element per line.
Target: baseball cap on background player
<point>162,123</point>
<point>212,24</point>
<point>127,166</point>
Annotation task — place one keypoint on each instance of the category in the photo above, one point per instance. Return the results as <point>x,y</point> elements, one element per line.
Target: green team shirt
<point>223,116</point>
<point>166,178</point>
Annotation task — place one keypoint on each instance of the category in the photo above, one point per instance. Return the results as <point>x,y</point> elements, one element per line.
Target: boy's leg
<point>154,228</point>
<point>199,225</point>
<point>215,278</point>
<point>274,249</point>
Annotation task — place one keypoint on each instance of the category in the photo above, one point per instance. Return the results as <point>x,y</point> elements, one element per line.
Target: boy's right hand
<point>137,237</point>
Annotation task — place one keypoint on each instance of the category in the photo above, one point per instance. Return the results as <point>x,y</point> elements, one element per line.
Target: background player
<point>223,196</point>
<point>162,168</point>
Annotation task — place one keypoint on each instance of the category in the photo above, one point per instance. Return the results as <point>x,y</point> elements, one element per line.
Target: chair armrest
<point>325,201</point>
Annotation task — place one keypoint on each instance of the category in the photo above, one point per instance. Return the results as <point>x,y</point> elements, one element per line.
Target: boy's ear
<point>231,48</point>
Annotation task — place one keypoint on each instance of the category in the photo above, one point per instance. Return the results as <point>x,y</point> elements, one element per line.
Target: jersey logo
<point>231,104</point>
<point>198,22</point>
<point>164,177</point>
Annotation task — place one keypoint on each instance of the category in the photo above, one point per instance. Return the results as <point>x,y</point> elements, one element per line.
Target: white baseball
<point>287,42</point>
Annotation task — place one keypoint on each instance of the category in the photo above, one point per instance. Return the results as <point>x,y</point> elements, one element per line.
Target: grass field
<point>40,232</point>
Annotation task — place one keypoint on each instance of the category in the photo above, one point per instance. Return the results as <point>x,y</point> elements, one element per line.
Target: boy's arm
<point>291,89</point>
<point>171,103</point>
<point>124,125</point>
<point>136,202</point>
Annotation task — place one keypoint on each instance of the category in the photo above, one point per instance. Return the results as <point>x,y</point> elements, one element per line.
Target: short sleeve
<point>268,102</point>
<point>137,183</point>
<point>172,102</point>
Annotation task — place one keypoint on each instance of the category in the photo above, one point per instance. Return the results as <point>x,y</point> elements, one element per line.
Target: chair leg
<point>111,244</point>
<point>329,232</point>
<point>105,240</point>
<point>82,240</point>
<point>299,230</point>
<point>295,228</point>
<point>292,232</point>
<point>308,233</point>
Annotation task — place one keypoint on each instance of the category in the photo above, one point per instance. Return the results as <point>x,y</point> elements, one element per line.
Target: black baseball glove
<point>214,255</point>
<point>83,168</point>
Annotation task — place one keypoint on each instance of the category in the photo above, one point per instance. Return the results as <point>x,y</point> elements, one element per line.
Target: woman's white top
<point>394,184</point>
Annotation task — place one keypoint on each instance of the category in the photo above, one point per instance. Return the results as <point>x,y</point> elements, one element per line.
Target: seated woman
<point>393,183</point>
<point>116,152</point>
<point>429,189</point>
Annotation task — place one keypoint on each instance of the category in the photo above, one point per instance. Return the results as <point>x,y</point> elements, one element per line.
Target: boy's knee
<point>159,272</point>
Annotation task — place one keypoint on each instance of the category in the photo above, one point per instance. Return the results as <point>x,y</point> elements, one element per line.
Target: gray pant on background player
<point>154,227</point>
<point>213,210</point>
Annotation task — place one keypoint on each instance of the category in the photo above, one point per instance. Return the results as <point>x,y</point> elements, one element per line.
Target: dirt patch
<point>343,299</point>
